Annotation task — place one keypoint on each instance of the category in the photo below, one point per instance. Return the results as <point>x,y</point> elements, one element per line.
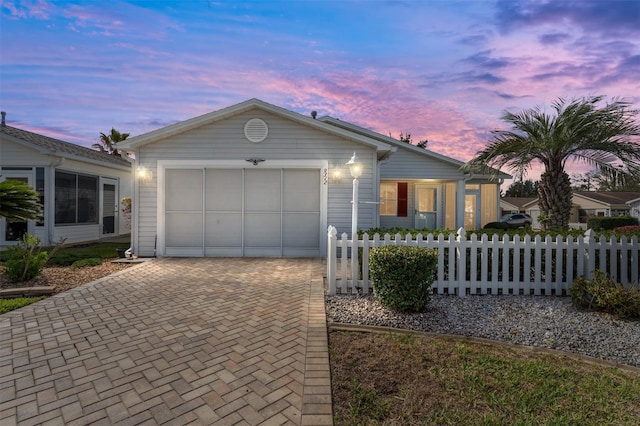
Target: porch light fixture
<point>255,161</point>
<point>355,167</point>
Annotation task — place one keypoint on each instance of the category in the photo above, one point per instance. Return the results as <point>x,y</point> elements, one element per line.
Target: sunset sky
<point>440,70</point>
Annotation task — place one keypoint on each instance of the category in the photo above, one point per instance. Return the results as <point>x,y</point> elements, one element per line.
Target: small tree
<point>108,143</point>
<point>406,138</point>
<point>528,188</point>
<point>19,201</point>
<point>27,259</point>
<point>601,136</point>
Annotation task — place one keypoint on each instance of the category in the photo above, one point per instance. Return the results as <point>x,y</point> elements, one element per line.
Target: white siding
<point>287,140</point>
<point>13,154</point>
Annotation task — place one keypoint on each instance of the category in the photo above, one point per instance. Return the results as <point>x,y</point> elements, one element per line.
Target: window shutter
<point>403,189</point>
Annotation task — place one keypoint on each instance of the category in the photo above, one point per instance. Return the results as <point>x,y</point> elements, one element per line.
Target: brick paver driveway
<point>175,341</point>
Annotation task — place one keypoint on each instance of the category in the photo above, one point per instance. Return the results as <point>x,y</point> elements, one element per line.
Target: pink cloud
<point>39,9</point>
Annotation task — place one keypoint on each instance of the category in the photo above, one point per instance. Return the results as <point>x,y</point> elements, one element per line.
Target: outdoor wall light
<point>336,175</point>
<point>143,173</point>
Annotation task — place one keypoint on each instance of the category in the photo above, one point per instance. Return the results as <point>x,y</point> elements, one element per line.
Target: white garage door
<point>242,212</point>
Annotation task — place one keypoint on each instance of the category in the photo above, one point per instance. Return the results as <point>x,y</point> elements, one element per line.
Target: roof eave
<point>192,123</point>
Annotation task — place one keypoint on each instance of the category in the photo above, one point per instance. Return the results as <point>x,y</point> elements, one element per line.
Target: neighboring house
<point>585,205</point>
<point>80,188</point>
<point>516,204</point>
<point>601,203</point>
<point>634,207</point>
<point>255,179</point>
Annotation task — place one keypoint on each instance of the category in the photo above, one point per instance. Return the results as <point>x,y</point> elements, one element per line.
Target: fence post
<point>590,252</point>
<point>331,259</point>
<point>461,251</point>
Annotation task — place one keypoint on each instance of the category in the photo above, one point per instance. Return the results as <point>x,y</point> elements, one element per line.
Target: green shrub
<point>7,305</point>
<point>598,223</point>
<point>25,260</point>
<point>497,225</point>
<point>403,276</point>
<point>92,261</point>
<point>604,294</point>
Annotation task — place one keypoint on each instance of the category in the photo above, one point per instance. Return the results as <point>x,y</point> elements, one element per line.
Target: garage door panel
<point>242,212</point>
<point>183,229</point>
<point>301,230</point>
<point>262,190</point>
<point>183,190</point>
<point>301,190</point>
<point>262,230</point>
<point>224,190</point>
<point>223,230</point>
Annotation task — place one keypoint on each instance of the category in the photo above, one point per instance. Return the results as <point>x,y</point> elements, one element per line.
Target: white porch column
<point>460,192</point>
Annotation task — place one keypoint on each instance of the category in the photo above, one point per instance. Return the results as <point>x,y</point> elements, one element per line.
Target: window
<point>76,199</point>
<point>393,199</point>
<point>388,199</point>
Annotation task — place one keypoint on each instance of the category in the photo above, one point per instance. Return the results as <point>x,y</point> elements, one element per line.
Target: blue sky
<point>441,70</point>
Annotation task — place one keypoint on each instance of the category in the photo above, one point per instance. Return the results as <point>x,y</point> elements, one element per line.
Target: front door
<point>109,206</point>
<point>12,232</point>
<point>427,212</point>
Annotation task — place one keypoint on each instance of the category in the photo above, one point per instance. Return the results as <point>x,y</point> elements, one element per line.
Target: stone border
<point>532,349</point>
<point>317,407</point>
<point>8,293</point>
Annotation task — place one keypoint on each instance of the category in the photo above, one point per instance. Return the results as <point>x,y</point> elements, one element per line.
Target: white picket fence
<point>538,266</point>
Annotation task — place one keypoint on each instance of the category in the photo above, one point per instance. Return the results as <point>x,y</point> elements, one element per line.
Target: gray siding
<point>405,164</point>
<point>287,140</point>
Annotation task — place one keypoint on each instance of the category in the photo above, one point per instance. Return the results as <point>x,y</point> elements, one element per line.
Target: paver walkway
<point>173,341</point>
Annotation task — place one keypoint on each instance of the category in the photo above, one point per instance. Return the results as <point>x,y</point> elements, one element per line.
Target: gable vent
<point>256,130</point>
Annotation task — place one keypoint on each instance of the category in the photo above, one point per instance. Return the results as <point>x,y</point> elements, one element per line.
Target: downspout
<point>500,182</point>
<point>50,200</point>
<point>135,197</point>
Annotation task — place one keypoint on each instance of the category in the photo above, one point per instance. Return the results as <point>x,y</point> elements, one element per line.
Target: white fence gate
<point>491,265</point>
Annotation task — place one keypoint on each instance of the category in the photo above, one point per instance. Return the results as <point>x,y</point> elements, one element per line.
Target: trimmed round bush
<point>403,276</point>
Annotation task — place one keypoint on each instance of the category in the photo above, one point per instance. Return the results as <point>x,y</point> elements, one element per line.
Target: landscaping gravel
<point>544,321</point>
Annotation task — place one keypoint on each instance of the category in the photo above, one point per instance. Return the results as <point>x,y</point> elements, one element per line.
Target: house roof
<point>610,198</point>
<point>382,147</point>
<point>396,143</point>
<point>50,146</point>
<point>520,202</point>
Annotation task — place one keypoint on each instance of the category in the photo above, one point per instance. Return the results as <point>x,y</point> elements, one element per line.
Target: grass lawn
<point>67,255</point>
<point>7,305</point>
<point>407,379</point>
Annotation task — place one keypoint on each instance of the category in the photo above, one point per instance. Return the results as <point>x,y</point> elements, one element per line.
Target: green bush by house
<point>403,276</point>
<point>605,294</point>
<point>599,223</point>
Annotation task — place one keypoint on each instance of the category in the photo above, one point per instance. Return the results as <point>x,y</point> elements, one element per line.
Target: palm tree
<point>19,201</point>
<point>604,137</point>
<point>108,142</point>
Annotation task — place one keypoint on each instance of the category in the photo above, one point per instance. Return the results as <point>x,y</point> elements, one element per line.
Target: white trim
<point>163,165</point>
<point>115,182</point>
